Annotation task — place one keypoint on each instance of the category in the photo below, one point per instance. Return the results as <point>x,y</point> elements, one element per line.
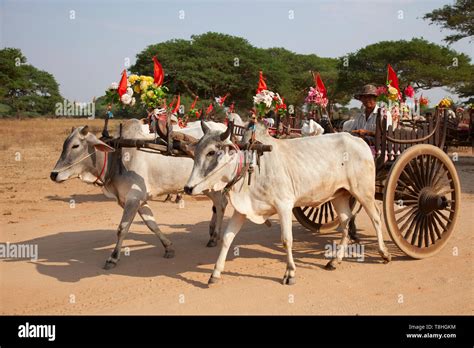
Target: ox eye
<point>211,153</point>
<point>75,146</point>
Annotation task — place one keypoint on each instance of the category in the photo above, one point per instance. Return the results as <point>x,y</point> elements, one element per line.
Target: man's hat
<point>367,90</point>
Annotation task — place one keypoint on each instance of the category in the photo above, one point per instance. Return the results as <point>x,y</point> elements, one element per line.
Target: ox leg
<point>234,226</point>
<point>370,206</point>
<point>343,209</point>
<point>147,216</point>
<point>129,211</point>
<point>287,240</point>
<point>353,230</point>
<point>218,210</point>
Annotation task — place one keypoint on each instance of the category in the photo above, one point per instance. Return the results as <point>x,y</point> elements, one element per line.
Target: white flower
<point>113,85</point>
<point>129,91</point>
<point>133,101</point>
<point>126,99</point>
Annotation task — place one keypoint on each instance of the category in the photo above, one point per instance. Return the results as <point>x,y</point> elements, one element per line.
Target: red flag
<point>122,88</point>
<point>176,108</point>
<point>158,73</point>
<point>209,109</point>
<point>261,83</point>
<point>198,114</point>
<point>193,105</point>
<point>172,102</point>
<point>392,79</point>
<point>320,86</point>
<point>222,99</point>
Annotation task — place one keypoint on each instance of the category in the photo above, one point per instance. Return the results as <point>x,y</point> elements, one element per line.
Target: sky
<point>86,44</point>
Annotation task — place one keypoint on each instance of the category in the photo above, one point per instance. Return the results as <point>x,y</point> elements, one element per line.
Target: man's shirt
<point>361,122</point>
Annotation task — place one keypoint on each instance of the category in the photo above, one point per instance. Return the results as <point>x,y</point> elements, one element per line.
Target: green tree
<point>458,17</point>
<point>25,88</point>
<point>418,62</point>
<point>213,64</point>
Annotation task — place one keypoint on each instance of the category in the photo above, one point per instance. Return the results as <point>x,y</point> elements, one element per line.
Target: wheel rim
<point>322,218</point>
<point>421,201</point>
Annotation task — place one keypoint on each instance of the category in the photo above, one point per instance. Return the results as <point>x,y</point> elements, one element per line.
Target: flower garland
<point>315,97</point>
<point>266,100</point>
<point>151,95</point>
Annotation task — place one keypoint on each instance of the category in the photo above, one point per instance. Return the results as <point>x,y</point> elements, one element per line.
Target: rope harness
<point>98,181</point>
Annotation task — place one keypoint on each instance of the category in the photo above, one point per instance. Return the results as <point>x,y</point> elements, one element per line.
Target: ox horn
<point>204,127</point>
<point>228,131</point>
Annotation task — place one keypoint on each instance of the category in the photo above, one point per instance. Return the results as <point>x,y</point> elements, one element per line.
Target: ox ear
<point>84,130</point>
<point>98,144</point>
<point>205,128</point>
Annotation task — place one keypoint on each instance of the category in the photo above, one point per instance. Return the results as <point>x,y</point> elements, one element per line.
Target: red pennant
<point>193,105</point>
<point>122,88</point>
<point>320,86</point>
<point>158,73</point>
<point>222,99</point>
<point>392,78</point>
<point>176,108</point>
<point>209,109</point>
<point>261,83</point>
<point>172,102</point>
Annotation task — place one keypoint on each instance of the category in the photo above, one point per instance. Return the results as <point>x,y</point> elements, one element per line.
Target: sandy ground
<point>74,241</point>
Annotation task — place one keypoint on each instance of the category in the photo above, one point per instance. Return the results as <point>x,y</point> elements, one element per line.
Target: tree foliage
<point>213,64</point>
<point>418,62</point>
<point>458,17</point>
<point>24,87</point>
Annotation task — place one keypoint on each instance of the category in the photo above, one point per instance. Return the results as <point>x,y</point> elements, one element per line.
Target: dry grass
<point>20,134</point>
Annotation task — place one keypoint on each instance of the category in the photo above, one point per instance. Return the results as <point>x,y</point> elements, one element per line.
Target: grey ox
<point>144,176</point>
<point>297,172</point>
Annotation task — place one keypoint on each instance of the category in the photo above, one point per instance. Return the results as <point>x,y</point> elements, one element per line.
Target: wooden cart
<point>417,182</point>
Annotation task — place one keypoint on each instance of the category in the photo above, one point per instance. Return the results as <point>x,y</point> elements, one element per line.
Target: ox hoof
<point>211,243</point>
<point>330,266</point>
<point>289,281</point>
<point>169,254</point>
<point>110,264</point>
<point>213,280</point>
<point>386,257</point>
<point>354,238</point>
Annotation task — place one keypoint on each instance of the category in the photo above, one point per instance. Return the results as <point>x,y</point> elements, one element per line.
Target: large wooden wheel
<point>421,200</point>
<point>319,219</point>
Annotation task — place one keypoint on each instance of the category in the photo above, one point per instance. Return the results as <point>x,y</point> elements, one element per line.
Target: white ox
<point>144,176</point>
<point>340,166</point>
<point>311,128</point>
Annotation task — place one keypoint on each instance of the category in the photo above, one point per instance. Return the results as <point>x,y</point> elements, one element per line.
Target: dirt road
<point>74,226</point>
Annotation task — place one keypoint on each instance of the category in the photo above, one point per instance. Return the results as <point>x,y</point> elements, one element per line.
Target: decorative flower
<point>132,103</point>
<point>126,99</point>
<point>315,97</point>
<point>381,90</point>
<point>392,93</point>
<point>133,78</point>
<point>130,91</point>
<point>113,85</point>
<point>144,85</point>
<point>409,91</point>
<point>445,103</point>
<point>424,101</point>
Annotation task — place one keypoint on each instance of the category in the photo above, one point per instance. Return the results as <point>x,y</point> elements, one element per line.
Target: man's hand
<point>363,132</point>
